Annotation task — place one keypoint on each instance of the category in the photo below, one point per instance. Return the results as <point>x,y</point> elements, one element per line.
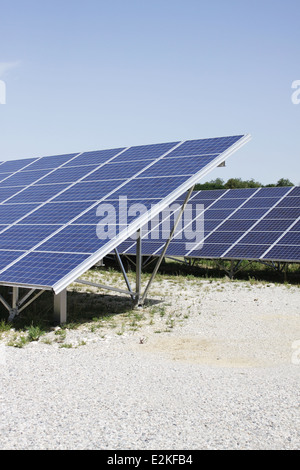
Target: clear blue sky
<point>93,74</point>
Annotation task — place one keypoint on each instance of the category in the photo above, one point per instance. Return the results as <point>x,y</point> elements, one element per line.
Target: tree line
<point>235,183</point>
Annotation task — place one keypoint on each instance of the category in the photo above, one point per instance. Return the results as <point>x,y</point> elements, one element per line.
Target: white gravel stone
<point>222,378</point>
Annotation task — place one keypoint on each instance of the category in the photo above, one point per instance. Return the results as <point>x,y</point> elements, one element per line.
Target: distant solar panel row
<point>48,205</point>
<point>249,224</point>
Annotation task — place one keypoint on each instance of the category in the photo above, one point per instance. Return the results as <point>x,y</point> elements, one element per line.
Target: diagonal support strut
<point>144,296</point>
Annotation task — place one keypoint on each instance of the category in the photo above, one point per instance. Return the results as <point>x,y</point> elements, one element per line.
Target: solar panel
<point>258,223</point>
<point>48,205</point>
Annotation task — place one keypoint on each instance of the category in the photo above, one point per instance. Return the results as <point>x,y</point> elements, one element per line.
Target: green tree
<point>284,182</point>
<point>218,183</point>
<point>234,183</point>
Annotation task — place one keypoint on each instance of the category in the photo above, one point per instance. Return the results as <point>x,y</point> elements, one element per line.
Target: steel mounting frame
<point>137,296</point>
<point>17,303</point>
<point>143,297</point>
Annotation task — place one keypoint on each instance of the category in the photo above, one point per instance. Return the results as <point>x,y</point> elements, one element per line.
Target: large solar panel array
<point>252,224</point>
<point>48,205</point>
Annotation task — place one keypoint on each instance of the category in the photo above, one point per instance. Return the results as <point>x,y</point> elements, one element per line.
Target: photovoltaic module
<point>48,205</point>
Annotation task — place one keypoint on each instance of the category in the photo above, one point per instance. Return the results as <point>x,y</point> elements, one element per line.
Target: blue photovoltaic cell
<point>244,193</point>
<point>290,202</point>
<point>145,152</point>
<point>16,165</point>
<point>7,257</point>
<point>296,227</point>
<point>260,238</point>
<point>77,239</point>
<point>177,166</point>
<point>92,191</point>
<point>51,162</point>
<point>295,191</point>
<point>291,238</point>
<point>150,187</point>
<point>117,170</point>
<point>57,213</point>
<point>6,193</point>
<point>4,176</point>
<point>204,146</point>
<point>123,247</point>
<point>37,193</point>
<point>241,251</point>
<point>247,214</point>
<point>284,253</point>
<point>23,237</point>
<point>235,225</point>
<point>228,203</point>
<point>212,195</point>
<point>272,225</point>
<point>23,178</point>
<point>223,237</point>
<point>219,214</point>
<point>154,247</point>
<point>284,213</point>
<point>97,213</point>
<point>67,175</point>
<point>93,158</point>
<point>174,250</point>
<point>206,203</point>
<point>10,213</point>
<point>211,250</point>
<point>210,225</point>
<point>260,202</point>
<point>273,192</point>
<point>42,269</point>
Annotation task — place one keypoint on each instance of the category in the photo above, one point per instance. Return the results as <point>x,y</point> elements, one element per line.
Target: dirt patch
<point>202,351</point>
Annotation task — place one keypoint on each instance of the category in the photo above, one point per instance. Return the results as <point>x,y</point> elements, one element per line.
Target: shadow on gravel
<point>83,307</point>
<point>88,306</point>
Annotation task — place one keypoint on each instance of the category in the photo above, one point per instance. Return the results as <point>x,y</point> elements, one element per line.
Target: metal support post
<point>231,274</point>
<point>138,266</point>
<point>124,273</point>
<point>15,297</point>
<point>285,271</point>
<point>102,286</point>
<point>5,303</point>
<point>142,300</point>
<point>60,307</point>
<point>14,304</point>
<point>20,302</point>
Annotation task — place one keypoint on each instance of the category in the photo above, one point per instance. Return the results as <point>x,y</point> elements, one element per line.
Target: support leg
<point>285,271</point>
<point>231,275</point>
<point>138,266</point>
<point>60,307</point>
<point>142,299</point>
<point>14,304</point>
<point>124,272</point>
<point>15,297</point>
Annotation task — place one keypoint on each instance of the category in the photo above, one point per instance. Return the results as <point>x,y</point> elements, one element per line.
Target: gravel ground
<point>212,365</point>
